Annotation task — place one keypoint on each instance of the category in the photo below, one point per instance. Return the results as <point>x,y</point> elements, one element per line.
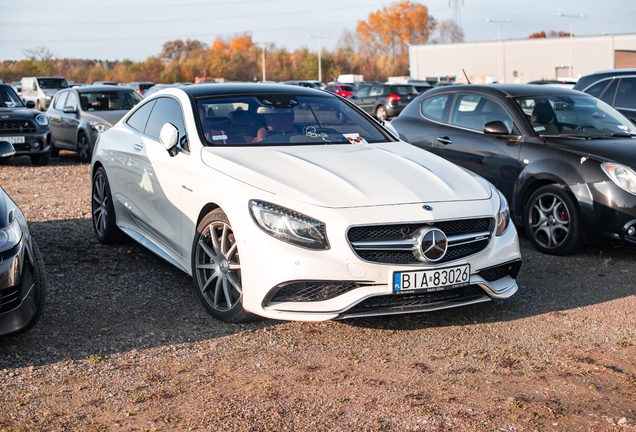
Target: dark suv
<point>616,87</point>
<point>27,129</point>
<point>384,100</point>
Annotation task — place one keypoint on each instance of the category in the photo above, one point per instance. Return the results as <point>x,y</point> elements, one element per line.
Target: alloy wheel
<point>218,268</point>
<point>549,221</point>
<point>83,149</point>
<point>100,205</point>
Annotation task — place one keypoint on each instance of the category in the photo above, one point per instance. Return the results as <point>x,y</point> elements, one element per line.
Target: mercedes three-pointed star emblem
<point>433,244</point>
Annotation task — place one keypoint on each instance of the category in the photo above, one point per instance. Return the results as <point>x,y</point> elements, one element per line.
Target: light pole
<point>571,19</point>
<point>262,45</point>
<point>319,54</point>
<point>499,22</point>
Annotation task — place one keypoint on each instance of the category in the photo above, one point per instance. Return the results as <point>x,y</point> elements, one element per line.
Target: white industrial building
<point>521,61</point>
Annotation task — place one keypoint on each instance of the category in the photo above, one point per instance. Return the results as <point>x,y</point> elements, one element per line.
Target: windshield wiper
<point>582,137</point>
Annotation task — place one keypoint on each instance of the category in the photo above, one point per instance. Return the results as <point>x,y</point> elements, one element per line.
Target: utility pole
<point>499,62</point>
<point>319,54</point>
<point>571,19</point>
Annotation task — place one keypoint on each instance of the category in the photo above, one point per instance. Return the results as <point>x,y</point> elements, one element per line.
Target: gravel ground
<point>125,345</point>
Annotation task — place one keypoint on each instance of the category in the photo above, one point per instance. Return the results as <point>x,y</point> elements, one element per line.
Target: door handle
<point>138,147</point>
<point>445,140</point>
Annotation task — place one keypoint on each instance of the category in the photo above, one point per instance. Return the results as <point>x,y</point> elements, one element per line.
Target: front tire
<point>84,150</point>
<point>552,221</point>
<point>103,210</point>
<point>216,269</point>
<point>41,159</point>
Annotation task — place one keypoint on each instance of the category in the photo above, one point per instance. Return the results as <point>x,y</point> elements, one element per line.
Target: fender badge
<point>427,207</point>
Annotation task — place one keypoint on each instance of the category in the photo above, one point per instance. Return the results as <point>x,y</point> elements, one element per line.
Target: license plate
<point>432,280</point>
<point>13,140</point>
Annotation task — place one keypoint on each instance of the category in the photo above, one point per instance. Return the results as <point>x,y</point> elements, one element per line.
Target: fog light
<point>631,231</point>
<point>36,144</point>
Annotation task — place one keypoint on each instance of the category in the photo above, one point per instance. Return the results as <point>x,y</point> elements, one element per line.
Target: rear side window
<point>166,110</point>
<point>60,101</point>
<point>608,94</point>
<point>433,107</point>
<point>597,88</point>
<point>626,94</point>
<point>140,117</point>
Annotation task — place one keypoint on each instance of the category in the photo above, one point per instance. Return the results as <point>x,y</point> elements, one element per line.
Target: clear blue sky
<point>136,29</point>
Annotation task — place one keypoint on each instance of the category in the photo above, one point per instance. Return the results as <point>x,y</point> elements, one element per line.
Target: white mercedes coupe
<point>291,203</point>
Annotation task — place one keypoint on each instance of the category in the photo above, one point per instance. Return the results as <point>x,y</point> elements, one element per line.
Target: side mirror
<point>169,136</point>
<point>353,97</point>
<point>6,150</point>
<point>69,110</point>
<point>30,104</point>
<point>496,128</point>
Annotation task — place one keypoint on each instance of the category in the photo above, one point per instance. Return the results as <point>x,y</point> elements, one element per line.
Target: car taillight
<point>393,98</point>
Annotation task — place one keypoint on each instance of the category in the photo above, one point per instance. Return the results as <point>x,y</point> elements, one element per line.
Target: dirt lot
<point>125,345</point>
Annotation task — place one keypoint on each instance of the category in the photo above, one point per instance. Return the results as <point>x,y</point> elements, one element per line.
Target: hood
<point>621,150</point>
<point>107,117</point>
<point>51,92</point>
<point>349,175</point>
<point>18,113</point>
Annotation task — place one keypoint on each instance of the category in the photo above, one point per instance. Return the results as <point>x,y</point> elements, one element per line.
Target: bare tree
<point>40,53</point>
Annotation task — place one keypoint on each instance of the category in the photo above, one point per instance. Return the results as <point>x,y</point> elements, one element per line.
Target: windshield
<point>9,98</point>
<point>282,119</point>
<point>574,116</point>
<point>110,100</point>
<point>52,83</point>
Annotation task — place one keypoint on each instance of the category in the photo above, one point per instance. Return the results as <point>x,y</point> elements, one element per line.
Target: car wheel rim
<point>218,268</point>
<point>549,221</point>
<point>381,114</point>
<point>100,205</point>
<point>83,148</point>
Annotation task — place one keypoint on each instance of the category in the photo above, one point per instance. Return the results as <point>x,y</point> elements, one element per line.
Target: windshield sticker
<point>219,137</point>
<point>9,104</point>
<point>626,129</point>
<point>355,138</point>
<point>539,128</point>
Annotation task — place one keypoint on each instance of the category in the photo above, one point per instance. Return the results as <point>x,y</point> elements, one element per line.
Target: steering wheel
<point>584,126</point>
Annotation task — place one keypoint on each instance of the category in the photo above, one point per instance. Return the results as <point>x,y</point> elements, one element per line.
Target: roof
<point>203,90</point>
<point>512,90</point>
<point>101,87</point>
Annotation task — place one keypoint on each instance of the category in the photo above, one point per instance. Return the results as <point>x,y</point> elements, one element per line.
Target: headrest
<point>244,118</point>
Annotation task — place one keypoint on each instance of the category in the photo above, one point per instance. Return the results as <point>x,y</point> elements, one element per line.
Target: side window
<point>166,110</point>
<point>60,101</point>
<point>376,91</point>
<point>608,94</point>
<point>433,107</point>
<point>626,94</point>
<point>363,92</point>
<point>71,101</point>
<point>140,117</point>
<point>474,111</point>
<point>597,88</point>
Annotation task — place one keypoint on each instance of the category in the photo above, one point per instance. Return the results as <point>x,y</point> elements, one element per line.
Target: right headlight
<point>10,235</point>
<point>503,215</point>
<point>622,175</point>
<point>289,226</point>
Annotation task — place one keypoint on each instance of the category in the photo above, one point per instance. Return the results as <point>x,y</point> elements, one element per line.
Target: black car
<point>564,160</point>
<point>384,100</point>
<point>616,87</point>
<point>27,129</point>
<point>22,274</point>
<point>79,115</point>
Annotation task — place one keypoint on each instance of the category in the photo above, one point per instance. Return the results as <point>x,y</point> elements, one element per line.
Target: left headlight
<point>10,235</point>
<point>622,175</point>
<point>289,226</point>
<point>503,215</point>
<point>99,127</point>
<point>41,120</point>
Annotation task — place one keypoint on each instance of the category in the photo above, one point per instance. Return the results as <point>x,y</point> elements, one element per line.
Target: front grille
<point>402,249</point>
<point>405,302</point>
<point>495,273</point>
<point>16,126</point>
<point>9,299</point>
<point>312,291</point>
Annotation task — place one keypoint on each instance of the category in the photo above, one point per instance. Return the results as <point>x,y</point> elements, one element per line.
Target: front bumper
<point>607,211</point>
<point>34,143</point>
<point>18,305</point>
<point>337,283</point>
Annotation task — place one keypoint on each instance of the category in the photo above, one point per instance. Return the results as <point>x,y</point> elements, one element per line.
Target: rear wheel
<point>104,222</point>
<point>552,221</point>
<point>84,148</point>
<point>380,113</point>
<point>216,269</point>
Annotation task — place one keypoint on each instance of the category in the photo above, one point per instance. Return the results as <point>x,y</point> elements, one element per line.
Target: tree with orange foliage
<point>390,30</point>
<point>550,34</point>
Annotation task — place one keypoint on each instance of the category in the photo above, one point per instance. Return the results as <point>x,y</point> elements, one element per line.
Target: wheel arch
<point>204,211</point>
